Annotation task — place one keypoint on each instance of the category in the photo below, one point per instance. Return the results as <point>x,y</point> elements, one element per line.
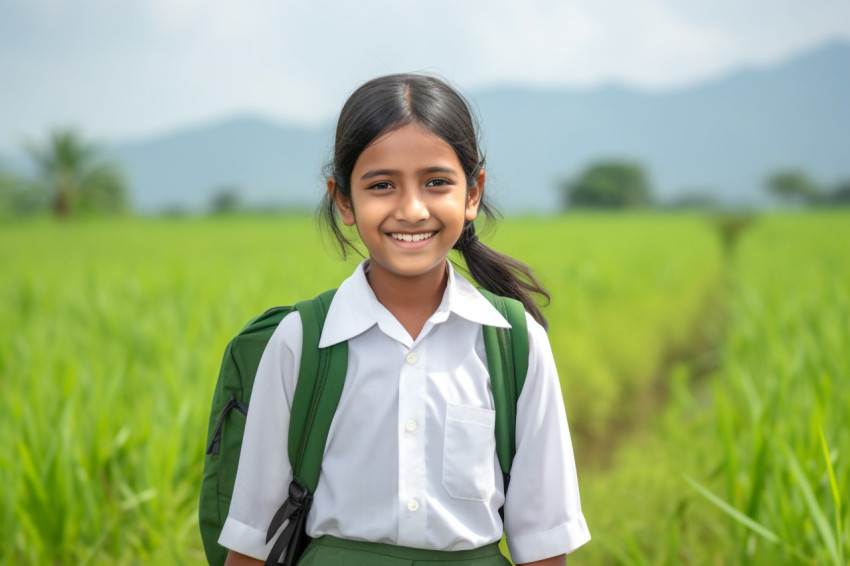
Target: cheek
<point>365,214</point>
<point>358,211</point>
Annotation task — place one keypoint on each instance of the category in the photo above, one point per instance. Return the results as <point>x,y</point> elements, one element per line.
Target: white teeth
<point>412,237</point>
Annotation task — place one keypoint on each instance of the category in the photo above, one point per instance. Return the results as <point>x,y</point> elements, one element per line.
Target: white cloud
<point>139,67</point>
<point>547,43</point>
<point>653,46</point>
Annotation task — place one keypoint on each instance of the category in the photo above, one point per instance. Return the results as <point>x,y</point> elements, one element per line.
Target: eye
<point>439,182</point>
<point>381,186</point>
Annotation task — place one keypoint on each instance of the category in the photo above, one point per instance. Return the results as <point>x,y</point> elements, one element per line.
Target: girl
<point>410,469</point>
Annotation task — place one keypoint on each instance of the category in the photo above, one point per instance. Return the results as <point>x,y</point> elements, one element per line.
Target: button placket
<point>411,427</point>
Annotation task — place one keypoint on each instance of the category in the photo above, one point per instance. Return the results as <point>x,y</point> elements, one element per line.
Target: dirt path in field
<point>698,354</point>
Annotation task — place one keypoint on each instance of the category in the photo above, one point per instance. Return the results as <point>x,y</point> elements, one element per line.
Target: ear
<point>473,198</point>
<point>343,204</point>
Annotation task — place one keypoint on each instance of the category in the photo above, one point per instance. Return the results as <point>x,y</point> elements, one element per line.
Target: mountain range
<point>722,137</point>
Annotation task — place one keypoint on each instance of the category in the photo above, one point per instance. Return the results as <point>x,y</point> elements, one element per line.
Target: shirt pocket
<point>468,452</point>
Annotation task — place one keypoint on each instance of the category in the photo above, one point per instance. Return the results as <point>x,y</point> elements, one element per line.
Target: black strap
<point>293,513</point>
<point>233,403</point>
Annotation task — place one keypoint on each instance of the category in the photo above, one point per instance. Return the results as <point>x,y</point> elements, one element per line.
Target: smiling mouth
<point>412,237</point>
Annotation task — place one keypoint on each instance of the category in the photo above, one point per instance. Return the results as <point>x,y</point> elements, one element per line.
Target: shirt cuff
<point>561,540</point>
<point>245,539</point>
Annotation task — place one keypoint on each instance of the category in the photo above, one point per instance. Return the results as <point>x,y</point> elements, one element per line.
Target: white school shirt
<point>410,458</point>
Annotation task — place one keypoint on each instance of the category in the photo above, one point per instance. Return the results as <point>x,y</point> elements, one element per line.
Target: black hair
<point>390,102</point>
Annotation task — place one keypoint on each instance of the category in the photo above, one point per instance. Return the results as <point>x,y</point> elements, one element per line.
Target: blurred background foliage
<point>70,177</point>
<point>703,360</point>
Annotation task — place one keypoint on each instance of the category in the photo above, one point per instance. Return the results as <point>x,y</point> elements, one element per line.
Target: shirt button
<point>413,505</point>
<point>412,358</point>
<point>411,426</point>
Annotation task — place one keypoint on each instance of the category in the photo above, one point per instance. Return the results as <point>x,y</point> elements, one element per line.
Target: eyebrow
<point>388,172</point>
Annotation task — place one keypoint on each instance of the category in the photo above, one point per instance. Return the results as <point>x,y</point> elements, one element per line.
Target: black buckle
<point>298,494</point>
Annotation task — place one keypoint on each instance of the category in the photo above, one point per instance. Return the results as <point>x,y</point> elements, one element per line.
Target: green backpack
<point>320,380</point>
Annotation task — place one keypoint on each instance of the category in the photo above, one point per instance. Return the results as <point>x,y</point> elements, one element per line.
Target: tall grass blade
<point>756,527</point>
<point>748,522</point>
<point>818,516</point>
<point>836,494</point>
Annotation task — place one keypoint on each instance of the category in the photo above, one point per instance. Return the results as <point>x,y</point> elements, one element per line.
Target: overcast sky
<point>128,69</point>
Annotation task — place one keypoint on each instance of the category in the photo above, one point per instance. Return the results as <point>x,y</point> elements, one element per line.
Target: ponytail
<point>499,273</point>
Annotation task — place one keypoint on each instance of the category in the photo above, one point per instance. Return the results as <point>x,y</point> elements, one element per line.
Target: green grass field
<point>705,390</point>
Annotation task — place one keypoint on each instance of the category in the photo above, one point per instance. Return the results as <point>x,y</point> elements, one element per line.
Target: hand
<point>236,559</point>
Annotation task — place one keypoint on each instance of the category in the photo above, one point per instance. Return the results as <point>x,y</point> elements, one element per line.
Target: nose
<point>411,206</point>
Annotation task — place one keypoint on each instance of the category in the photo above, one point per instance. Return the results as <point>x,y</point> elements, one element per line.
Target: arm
<point>264,472</point>
<point>543,515</point>
<point>236,559</point>
<point>554,561</point>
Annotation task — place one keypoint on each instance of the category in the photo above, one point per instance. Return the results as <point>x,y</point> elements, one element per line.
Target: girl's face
<point>409,201</point>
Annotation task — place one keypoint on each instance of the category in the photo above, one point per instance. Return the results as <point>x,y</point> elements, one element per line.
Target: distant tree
<point>609,184</point>
<point>695,199</point>
<point>9,191</point>
<point>793,186</point>
<point>840,195</point>
<point>18,197</point>
<point>226,200</point>
<point>174,211</point>
<point>8,188</point>
<point>73,174</point>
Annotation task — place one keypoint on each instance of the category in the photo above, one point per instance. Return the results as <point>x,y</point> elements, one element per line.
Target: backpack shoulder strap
<point>507,362</point>
<point>320,380</point>
<point>321,377</point>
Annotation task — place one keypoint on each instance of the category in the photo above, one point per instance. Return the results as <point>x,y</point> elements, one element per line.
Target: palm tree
<point>72,173</point>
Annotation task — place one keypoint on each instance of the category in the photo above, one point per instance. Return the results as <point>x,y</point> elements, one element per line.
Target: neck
<point>412,300</point>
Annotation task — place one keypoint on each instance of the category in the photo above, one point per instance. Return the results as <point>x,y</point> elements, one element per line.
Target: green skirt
<point>332,551</point>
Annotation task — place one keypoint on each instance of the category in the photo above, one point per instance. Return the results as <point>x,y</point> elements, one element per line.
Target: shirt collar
<point>465,301</point>
<point>354,308</point>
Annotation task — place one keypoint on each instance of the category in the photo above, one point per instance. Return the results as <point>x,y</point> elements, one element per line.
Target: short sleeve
<point>264,472</point>
<point>543,516</point>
